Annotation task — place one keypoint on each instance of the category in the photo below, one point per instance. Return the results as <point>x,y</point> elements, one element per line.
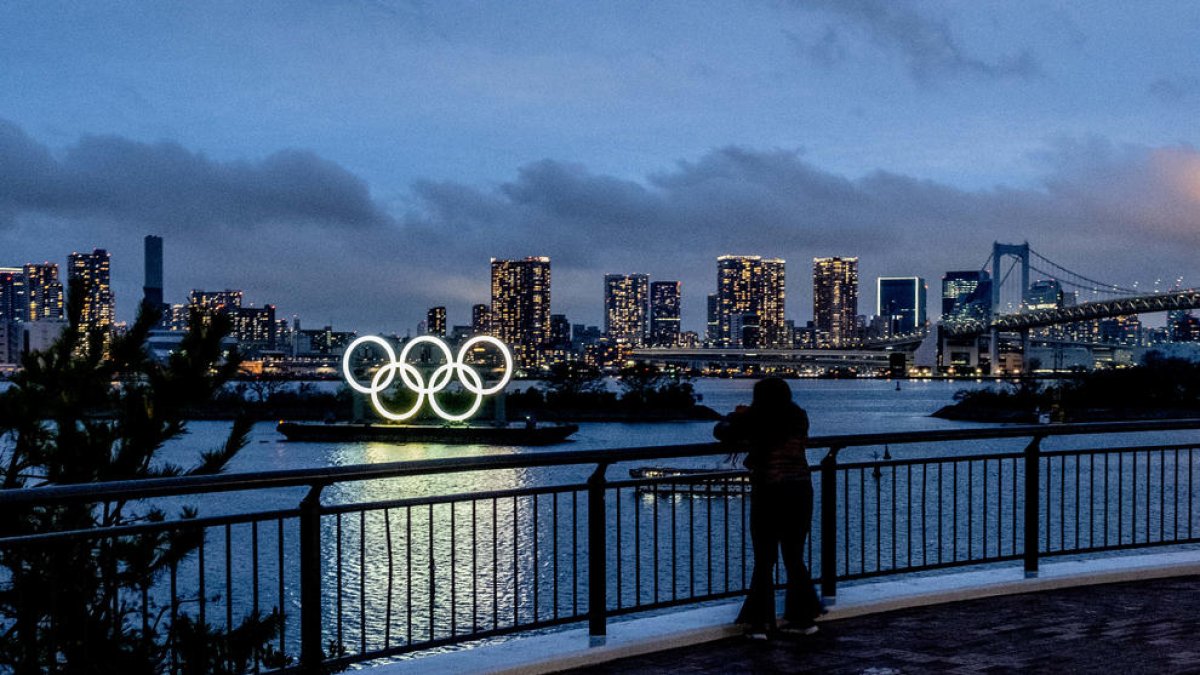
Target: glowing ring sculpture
<point>438,380</point>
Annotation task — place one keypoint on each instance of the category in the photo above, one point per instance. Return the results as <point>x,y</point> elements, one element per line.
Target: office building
<point>90,275</point>
<point>712,325</point>
<point>254,328</point>
<point>560,332</point>
<point>520,313</point>
<point>208,304</point>
<point>13,306</point>
<point>435,322</point>
<point>750,285</point>
<point>627,308</point>
<point>966,295</point>
<point>900,303</point>
<point>43,292</point>
<point>664,313</point>
<point>481,320</point>
<point>835,301</point>
<point>152,288</point>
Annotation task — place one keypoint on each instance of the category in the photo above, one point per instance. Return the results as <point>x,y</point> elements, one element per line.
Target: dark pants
<point>780,519</point>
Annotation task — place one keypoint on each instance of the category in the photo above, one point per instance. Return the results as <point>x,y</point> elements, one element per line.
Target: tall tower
<point>152,288</point>
<point>520,314</point>
<point>966,295</point>
<point>664,313</point>
<point>835,300</point>
<point>43,292</point>
<point>626,308</point>
<point>750,292</point>
<point>91,271</point>
<point>900,302</point>
<point>435,321</point>
<point>13,305</point>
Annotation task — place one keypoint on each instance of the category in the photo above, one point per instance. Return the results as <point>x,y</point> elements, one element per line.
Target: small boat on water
<point>685,481</point>
<point>513,434</point>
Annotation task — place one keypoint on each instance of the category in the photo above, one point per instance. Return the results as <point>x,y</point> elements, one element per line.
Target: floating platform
<point>516,434</point>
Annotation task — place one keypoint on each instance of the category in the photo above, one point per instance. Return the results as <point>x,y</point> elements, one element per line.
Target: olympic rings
<point>414,380</point>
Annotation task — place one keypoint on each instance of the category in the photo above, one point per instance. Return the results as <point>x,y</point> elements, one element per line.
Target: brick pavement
<point>1136,627</point>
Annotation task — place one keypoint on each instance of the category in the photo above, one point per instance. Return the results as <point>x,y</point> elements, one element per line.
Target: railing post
<point>311,651</point>
<point>829,527</point>
<point>597,557</point>
<point>1033,470</point>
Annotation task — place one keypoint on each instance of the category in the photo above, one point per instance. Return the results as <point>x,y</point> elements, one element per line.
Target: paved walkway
<point>1136,627</point>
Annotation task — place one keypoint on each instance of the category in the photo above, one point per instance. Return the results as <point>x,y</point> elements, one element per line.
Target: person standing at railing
<point>774,431</point>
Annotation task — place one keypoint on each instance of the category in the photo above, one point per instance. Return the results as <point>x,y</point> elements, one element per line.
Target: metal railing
<point>359,580</point>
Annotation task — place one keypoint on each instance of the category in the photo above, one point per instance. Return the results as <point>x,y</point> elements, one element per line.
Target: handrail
<point>167,487</point>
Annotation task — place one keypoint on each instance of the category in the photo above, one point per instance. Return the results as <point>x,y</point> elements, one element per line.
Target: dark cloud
<point>926,43</point>
<point>1118,213</point>
<point>165,185</point>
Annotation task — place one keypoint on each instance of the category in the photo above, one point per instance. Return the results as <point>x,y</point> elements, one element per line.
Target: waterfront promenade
<point>1134,627</point>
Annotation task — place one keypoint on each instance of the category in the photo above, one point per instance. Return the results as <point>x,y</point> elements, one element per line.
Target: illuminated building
<point>900,302</point>
<point>664,313</point>
<point>254,328</point>
<point>209,304</point>
<point>520,314</point>
<point>91,272</point>
<point>435,321</point>
<point>835,301</point>
<point>12,295</point>
<point>712,327</point>
<point>481,320</point>
<point>560,332</point>
<point>750,285</point>
<point>626,308</point>
<point>43,292</point>
<point>966,295</point>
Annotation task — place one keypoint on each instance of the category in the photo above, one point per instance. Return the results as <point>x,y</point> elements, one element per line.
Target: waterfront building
<point>321,341</point>
<point>11,333</point>
<point>750,285</point>
<point>900,302</point>
<point>835,301</point>
<point>560,332</point>
<point>43,292</point>
<point>435,321</point>
<point>481,320</point>
<point>966,295</point>
<point>254,328</point>
<point>13,305</point>
<point>712,326</point>
<point>520,312</point>
<point>208,304</point>
<point>1182,326</point>
<point>664,313</point>
<point>626,308</point>
<point>92,275</point>
<point>152,288</point>
<point>582,336</point>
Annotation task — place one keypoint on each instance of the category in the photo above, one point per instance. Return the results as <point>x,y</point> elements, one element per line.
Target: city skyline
<point>358,167</point>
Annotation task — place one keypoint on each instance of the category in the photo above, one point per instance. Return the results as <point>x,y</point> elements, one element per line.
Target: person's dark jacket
<point>775,438</point>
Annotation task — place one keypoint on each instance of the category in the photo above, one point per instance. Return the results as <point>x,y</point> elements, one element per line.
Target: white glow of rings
<point>438,380</point>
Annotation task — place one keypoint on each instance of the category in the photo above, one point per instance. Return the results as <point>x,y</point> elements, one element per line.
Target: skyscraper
<point>835,301</point>
<point>900,302</point>
<point>152,290</point>
<point>966,295</point>
<point>91,274</point>
<point>626,308</point>
<point>750,285</point>
<point>520,314</point>
<point>435,321</point>
<point>43,292</point>
<point>13,306</point>
<point>481,320</point>
<point>664,313</point>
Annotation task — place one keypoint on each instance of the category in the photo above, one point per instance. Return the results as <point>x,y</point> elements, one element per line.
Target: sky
<point>357,162</point>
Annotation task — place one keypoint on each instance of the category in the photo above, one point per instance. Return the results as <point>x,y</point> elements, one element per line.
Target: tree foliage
<point>73,416</point>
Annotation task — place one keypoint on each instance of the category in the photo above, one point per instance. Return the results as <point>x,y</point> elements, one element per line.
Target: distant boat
<point>515,434</point>
<point>690,481</point>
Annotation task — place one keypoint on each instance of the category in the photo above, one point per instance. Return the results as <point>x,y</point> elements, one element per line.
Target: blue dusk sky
<point>359,162</point>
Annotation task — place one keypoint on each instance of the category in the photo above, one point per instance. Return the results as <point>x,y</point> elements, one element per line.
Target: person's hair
<point>771,393</point>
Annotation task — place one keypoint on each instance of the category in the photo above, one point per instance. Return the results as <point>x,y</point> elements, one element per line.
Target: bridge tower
<point>1021,253</point>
